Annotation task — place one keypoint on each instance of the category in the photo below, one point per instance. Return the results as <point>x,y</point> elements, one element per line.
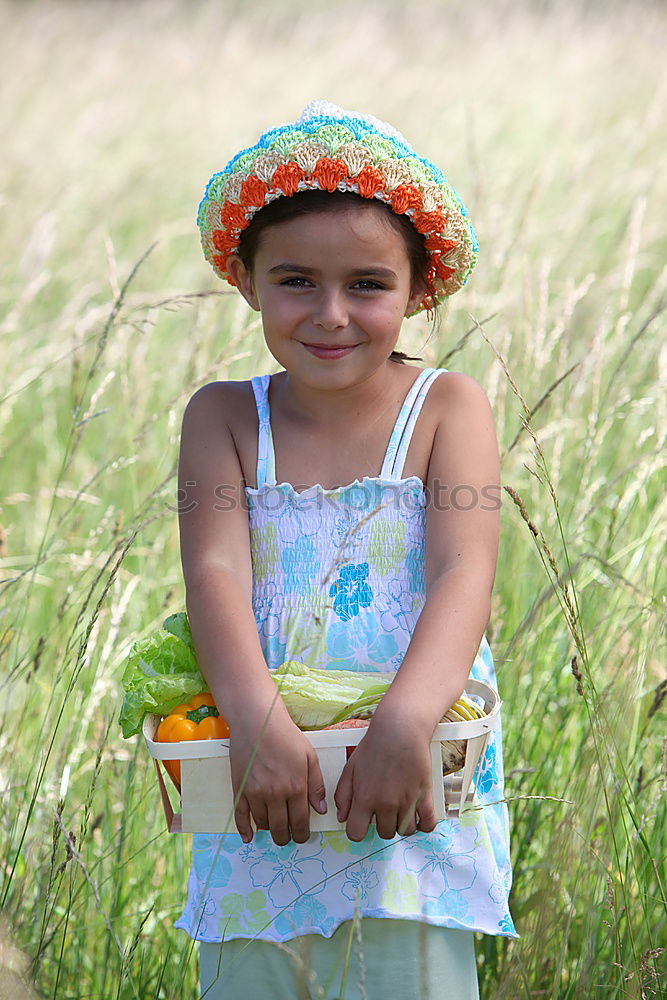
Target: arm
<point>217,568</point>
<point>462,528</point>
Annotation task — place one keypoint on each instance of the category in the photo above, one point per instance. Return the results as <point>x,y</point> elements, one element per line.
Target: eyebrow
<point>377,270</point>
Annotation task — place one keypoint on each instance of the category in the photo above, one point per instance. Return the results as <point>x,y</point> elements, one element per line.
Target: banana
<point>468,709</point>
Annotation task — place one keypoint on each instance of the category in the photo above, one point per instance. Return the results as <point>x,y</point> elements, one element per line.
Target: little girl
<point>335,230</point>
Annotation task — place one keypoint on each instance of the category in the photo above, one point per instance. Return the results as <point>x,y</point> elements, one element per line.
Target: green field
<point>551,120</point>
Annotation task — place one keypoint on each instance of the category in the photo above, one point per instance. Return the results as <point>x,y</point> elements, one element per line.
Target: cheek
<point>387,315</point>
<point>278,310</point>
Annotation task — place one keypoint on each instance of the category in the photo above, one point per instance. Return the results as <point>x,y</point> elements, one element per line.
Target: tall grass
<point>550,120</point>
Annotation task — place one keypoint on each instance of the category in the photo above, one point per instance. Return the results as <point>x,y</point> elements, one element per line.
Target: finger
<point>343,794</point>
<point>316,790</point>
<point>427,820</point>
<point>408,823</point>
<point>259,813</point>
<point>298,813</point>
<point>386,822</point>
<point>242,819</point>
<point>358,822</point>
<point>278,823</point>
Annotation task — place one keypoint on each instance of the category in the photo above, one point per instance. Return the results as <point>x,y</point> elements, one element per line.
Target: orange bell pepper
<point>197,719</point>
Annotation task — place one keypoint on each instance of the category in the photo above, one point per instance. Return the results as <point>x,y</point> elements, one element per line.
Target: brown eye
<point>297,282</point>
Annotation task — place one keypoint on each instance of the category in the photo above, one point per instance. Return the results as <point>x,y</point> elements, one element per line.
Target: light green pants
<point>397,959</point>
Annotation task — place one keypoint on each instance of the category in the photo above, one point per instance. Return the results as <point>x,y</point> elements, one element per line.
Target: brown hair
<point>311,201</point>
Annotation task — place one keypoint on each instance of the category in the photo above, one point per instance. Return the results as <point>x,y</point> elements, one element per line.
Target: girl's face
<point>333,289</point>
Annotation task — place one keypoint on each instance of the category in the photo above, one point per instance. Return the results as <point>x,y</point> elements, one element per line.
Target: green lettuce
<point>161,671</point>
<point>318,698</point>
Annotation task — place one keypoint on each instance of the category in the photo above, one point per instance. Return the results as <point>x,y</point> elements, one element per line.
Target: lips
<point>330,347</point>
<point>330,351</point>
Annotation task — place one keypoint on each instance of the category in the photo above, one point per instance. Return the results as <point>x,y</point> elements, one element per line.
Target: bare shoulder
<point>463,480</point>
<point>220,427</point>
<point>211,417</point>
<point>218,398</point>
<point>213,515</point>
<point>220,406</point>
<point>465,442</point>
<point>457,390</point>
<point>460,407</point>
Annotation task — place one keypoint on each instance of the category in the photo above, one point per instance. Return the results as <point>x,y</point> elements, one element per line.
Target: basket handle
<point>166,802</point>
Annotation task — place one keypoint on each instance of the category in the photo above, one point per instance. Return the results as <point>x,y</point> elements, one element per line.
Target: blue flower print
<point>449,904</point>
<point>360,644</point>
<point>351,591</point>
<point>287,872</point>
<point>487,777</point>
<point>366,496</point>
<point>275,651</point>
<point>358,882</point>
<point>256,849</point>
<point>307,916</point>
<point>414,563</point>
<point>211,866</point>
<point>413,501</point>
<point>497,891</point>
<point>297,515</point>
<point>483,668</point>
<point>497,826</point>
<point>247,852</point>
<point>506,926</point>
<point>443,868</point>
<point>499,841</point>
<point>209,842</point>
<point>347,536</point>
<point>300,565</point>
<point>267,618</point>
<point>397,610</point>
<point>203,907</point>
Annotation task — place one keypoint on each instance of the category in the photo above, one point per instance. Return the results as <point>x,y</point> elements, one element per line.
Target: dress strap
<point>266,456</point>
<point>399,442</point>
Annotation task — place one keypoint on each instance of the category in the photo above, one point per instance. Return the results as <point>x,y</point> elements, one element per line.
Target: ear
<point>242,278</point>
<point>416,295</point>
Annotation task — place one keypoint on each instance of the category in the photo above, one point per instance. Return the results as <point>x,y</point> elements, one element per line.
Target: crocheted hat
<point>336,150</point>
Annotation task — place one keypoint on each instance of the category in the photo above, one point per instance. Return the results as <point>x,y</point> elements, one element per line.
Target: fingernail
<point>322,805</point>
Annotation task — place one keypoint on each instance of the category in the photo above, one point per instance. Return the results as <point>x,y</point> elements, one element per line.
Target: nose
<point>331,311</point>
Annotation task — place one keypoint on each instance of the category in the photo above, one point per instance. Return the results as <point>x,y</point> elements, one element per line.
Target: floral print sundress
<point>338,587</point>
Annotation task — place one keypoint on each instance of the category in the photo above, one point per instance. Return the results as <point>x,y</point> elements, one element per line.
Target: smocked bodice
<point>350,560</point>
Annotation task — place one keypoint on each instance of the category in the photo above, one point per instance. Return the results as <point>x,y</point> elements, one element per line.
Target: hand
<point>284,779</point>
<point>388,775</point>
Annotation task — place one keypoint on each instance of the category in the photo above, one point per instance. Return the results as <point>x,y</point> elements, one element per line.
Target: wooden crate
<point>207,802</point>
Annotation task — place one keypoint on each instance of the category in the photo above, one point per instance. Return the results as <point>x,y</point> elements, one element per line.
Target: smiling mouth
<point>330,347</point>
